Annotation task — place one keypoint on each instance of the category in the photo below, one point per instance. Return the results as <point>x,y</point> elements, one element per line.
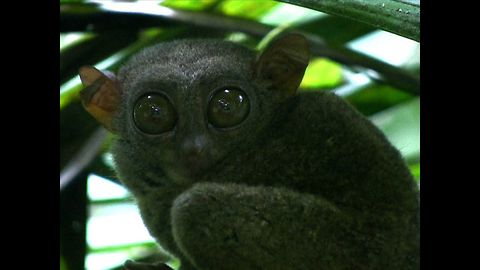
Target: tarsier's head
<point>183,106</point>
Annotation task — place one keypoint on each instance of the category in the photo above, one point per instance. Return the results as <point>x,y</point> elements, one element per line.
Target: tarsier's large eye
<point>228,107</point>
<point>154,114</point>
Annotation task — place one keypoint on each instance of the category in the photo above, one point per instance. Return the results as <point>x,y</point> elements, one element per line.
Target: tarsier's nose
<point>193,149</point>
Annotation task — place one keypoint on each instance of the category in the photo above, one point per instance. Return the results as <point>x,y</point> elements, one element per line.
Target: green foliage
<point>66,43</point>
<point>246,9</point>
<point>175,264</point>
<point>322,73</point>
<point>194,5</point>
<point>62,264</point>
<point>401,125</point>
<point>415,169</point>
<point>376,98</point>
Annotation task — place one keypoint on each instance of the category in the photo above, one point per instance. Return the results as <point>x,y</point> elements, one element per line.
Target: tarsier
<point>233,168</point>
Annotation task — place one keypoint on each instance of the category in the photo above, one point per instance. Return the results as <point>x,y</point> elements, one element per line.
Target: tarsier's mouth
<point>194,169</point>
<point>198,165</point>
<point>195,165</point>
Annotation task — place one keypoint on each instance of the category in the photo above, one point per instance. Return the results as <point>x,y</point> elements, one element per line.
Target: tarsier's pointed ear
<point>101,95</point>
<point>283,63</point>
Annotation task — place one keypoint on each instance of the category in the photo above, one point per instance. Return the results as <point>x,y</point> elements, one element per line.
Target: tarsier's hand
<point>131,265</point>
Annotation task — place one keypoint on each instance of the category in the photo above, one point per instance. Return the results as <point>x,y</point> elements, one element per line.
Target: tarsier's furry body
<point>297,180</point>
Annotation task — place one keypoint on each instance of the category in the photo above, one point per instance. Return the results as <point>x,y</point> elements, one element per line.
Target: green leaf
<point>399,17</point>
<point>376,98</point>
<point>194,5</point>
<point>401,125</point>
<point>332,29</point>
<point>246,9</point>
<point>71,39</point>
<point>322,73</point>
<point>415,170</point>
<point>282,14</point>
<point>174,263</point>
<point>63,265</point>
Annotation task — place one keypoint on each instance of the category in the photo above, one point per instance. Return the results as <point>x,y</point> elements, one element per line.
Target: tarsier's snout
<point>194,154</point>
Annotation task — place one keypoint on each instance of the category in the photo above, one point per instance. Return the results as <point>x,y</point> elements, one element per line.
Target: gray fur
<point>305,182</point>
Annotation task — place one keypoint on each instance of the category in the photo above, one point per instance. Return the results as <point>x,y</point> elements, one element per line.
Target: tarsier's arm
<point>229,226</point>
<point>232,226</point>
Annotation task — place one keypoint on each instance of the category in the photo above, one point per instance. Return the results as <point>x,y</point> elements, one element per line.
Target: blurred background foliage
<point>374,70</point>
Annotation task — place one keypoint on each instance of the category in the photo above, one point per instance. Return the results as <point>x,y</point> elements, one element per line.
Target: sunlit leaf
<point>290,14</point>
<point>387,47</point>
<point>194,5</point>
<point>175,264</point>
<point>70,39</point>
<point>401,125</point>
<point>246,9</point>
<point>69,92</point>
<point>63,265</point>
<point>415,170</point>
<point>322,73</point>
